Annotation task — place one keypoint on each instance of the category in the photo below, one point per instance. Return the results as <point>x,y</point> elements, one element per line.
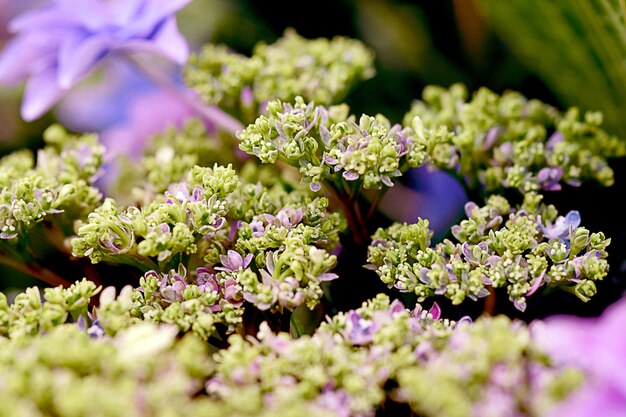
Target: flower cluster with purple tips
<point>498,246</point>
<point>228,284</point>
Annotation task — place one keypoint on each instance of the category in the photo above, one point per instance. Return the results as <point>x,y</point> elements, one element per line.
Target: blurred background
<point>564,52</point>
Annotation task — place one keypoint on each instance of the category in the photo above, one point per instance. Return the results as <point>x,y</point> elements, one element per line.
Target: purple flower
<point>598,347</point>
<point>359,330</point>
<point>234,261</point>
<point>59,45</point>
<point>561,227</point>
<point>181,192</point>
<point>549,178</point>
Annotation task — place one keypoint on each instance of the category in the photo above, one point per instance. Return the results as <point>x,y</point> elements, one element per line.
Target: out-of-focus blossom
<point>59,45</point>
<point>549,178</point>
<point>596,345</point>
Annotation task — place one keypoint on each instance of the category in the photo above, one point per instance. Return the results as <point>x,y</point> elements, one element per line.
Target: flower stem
<point>212,114</point>
<point>41,273</point>
<point>490,302</point>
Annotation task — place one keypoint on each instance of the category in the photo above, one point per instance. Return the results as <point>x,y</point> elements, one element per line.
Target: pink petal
<point>435,311</point>
<point>42,92</point>
<point>234,259</point>
<point>591,401</point>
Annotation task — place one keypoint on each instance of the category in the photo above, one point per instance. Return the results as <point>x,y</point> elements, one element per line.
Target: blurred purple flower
<point>549,178</point>
<point>432,194</point>
<point>360,331</point>
<point>598,347</point>
<point>57,46</point>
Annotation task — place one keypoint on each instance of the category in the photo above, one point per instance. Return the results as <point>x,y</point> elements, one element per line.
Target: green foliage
<point>580,54</point>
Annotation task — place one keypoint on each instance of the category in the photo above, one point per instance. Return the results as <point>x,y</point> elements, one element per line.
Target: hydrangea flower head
<point>57,46</point>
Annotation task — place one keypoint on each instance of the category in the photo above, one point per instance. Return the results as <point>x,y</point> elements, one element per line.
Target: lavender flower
<point>59,45</point>
<point>360,331</point>
<point>549,178</point>
<point>234,261</point>
<point>561,227</point>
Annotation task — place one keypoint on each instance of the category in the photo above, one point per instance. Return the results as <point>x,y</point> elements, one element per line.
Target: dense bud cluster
<point>497,246</point>
<point>493,142</point>
<point>320,70</point>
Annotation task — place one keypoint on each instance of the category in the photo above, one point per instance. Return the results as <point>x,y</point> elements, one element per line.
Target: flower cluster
<point>492,142</point>
<point>329,145</point>
<point>171,225</point>
<point>498,246</point>
<point>286,255</point>
<point>218,285</point>
<point>142,371</point>
<point>491,368</point>
<point>202,303</point>
<point>29,314</point>
<point>320,70</point>
<point>343,369</point>
<point>60,182</point>
<point>375,356</point>
<point>169,156</point>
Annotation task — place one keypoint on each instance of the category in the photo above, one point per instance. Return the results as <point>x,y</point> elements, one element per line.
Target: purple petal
<point>573,218</point>
<point>536,284</point>
<point>124,11</point>
<point>315,186</point>
<point>41,18</point>
<point>555,138</point>
<point>520,303</point>
<point>235,261</point>
<point>153,13</point>
<point>41,93</point>
<point>350,175</point>
<point>93,14</point>
<point>328,276</point>
<point>491,138</point>
<point>247,260</point>
<point>167,42</point>
<point>435,311</point>
<point>82,325</point>
<point>76,61</point>
<point>396,307</point>
<point>469,207</point>
<point>25,55</point>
